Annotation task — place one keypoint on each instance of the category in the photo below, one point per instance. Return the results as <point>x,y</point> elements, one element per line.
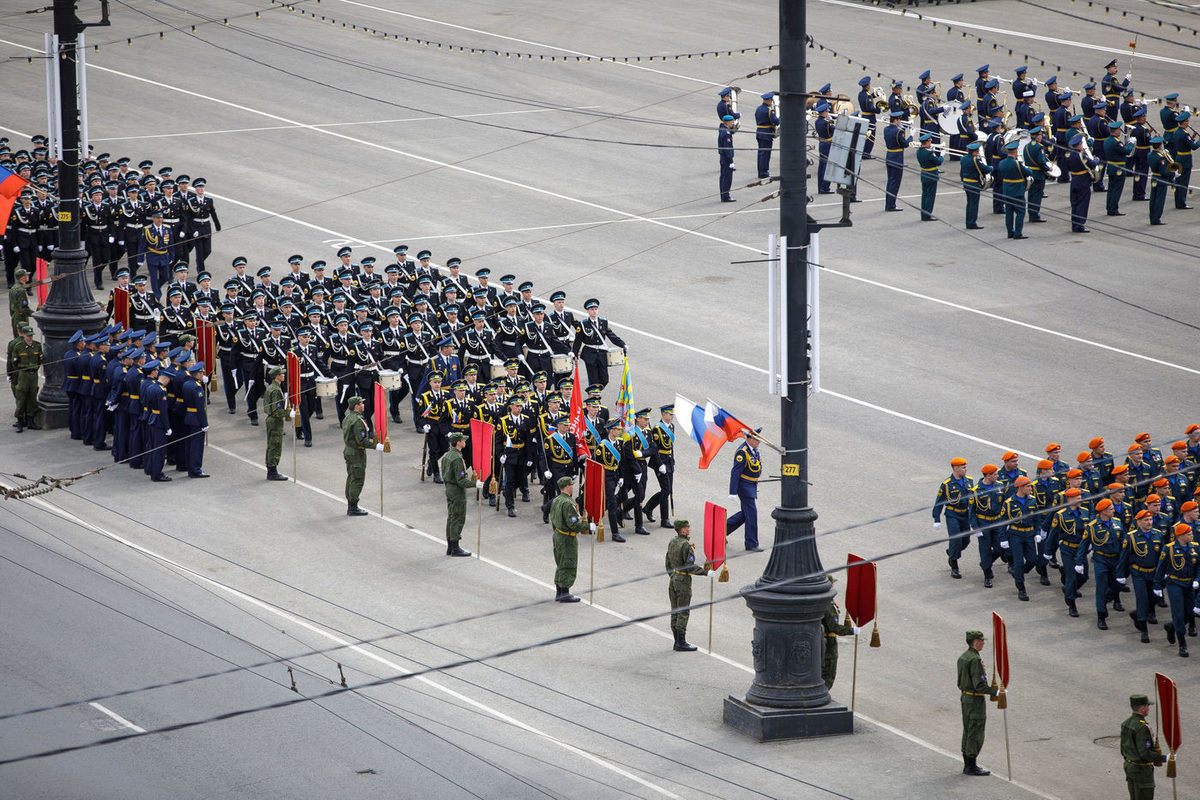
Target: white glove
<point>1158,592</point>
<point>733,498</point>
<point>16,248</point>
<point>978,534</point>
<point>168,431</point>
<point>620,482</point>
<point>292,414</point>
<point>1038,538</point>
<point>592,527</point>
<point>1004,545</point>
<point>122,243</point>
<point>111,406</point>
<point>195,233</point>
<point>1196,611</point>
<point>547,474</point>
<point>205,428</point>
<point>1121,581</point>
<point>206,379</point>
<point>478,484</point>
<point>1079,568</point>
<point>503,459</point>
<point>110,240</point>
<point>1046,556</point>
<point>379,447</point>
<point>712,573</point>
<point>731,167</point>
<point>1128,76</point>
<point>426,429</point>
<point>937,526</point>
<point>529,463</point>
<point>662,469</point>
<point>857,630</point>
<point>1196,584</point>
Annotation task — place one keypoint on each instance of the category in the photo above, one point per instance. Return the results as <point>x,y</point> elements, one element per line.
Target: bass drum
<point>948,120</point>
<point>560,363</point>
<point>616,357</point>
<point>326,387</point>
<point>498,370</point>
<point>390,379</point>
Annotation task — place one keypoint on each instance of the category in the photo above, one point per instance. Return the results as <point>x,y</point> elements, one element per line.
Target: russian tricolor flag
<point>709,426</point>
<point>11,185</point>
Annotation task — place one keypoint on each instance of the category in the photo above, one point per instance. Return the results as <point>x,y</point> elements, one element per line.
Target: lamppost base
<point>774,724</point>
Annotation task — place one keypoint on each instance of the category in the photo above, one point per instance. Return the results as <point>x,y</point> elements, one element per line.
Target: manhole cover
<point>1113,742</point>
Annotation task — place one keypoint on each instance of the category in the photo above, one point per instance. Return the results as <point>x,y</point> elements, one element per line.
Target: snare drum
<point>560,363</point>
<point>326,387</point>
<point>616,357</point>
<point>390,379</point>
<point>498,369</point>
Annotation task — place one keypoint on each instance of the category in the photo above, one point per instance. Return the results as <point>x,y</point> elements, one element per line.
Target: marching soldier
<point>457,479</point>
<point>766,123</point>
<point>1107,540</point>
<point>1097,128</point>
<point>988,505</point>
<point>929,111</point>
<point>590,334</point>
<point>24,361</point>
<point>662,462</point>
<point>1145,544</point>
<point>993,151</point>
<point>357,438</point>
<point>155,420</point>
<point>1116,155</point>
<point>1081,183</point>
<point>1160,180</point>
<point>201,218</point>
<point>823,127</point>
<point>894,141</point>
<point>310,359</point>
<point>832,629</point>
<point>1021,532</point>
<point>23,228</point>
<point>973,684</point>
<point>1183,144</point>
<point>568,523</point>
<point>155,246</point>
<point>1176,576</point>
<point>608,452</point>
<point>1139,137</point>
<point>1139,750</point>
<point>635,453</point>
<point>929,162</point>
<point>514,430</point>
<point>725,104</point>
<point>743,488</point>
<point>176,319</point>
<point>1035,159</point>
<point>866,110</point>
<point>1111,89</point>
<point>681,566</point>
<point>954,498</point>
<point>435,423</point>
<point>971,170</point>
<point>97,223</point>
<point>249,353</point>
<point>1012,175</point>
<point>956,97</point>
<point>558,454</point>
<point>174,210</point>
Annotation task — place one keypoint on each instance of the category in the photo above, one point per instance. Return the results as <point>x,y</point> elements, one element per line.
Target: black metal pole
<point>788,698</point>
<point>70,305</point>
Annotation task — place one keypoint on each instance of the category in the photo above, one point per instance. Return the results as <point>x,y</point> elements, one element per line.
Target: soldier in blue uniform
<point>1141,560</point>
<point>894,141</point>
<point>993,153</point>
<point>981,81</point>
<point>195,422</point>
<point>955,96</point>
<point>824,130</point>
<point>1035,160</point>
<point>725,104</point>
<point>1115,156</point>
<point>1139,137</point>
<point>954,498</point>
<point>930,109</point>
<point>1183,145</point>
<point>1060,129</point>
<point>725,152</point>
<point>866,110</point>
<point>766,123</point>
<point>1160,180</point>
<point>1020,533</point>
<point>925,86</point>
<point>1111,89</point>
<point>743,489</point>
<point>1069,531</point>
<point>1081,183</point>
<point>1175,576</point>
<point>155,420</point>
<point>1097,128</point>
<point>1012,175</point>
<point>1107,541</point>
<point>156,247</point>
<point>987,504</point>
<point>929,162</point>
<point>896,101</point>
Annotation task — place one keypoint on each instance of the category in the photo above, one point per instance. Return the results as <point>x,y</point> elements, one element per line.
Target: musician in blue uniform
<point>971,171</point>
<point>1175,577</point>
<point>1184,143</point>
<point>1168,115</point>
<point>1160,180</point>
<point>1078,168</point>
<point>989,105</point>
<point>1129,107</point>
<point>725,104</point>
<point>766,123</point>
<point>981,81</point>
<point>743,489</point>
<point>1019,85</point>
<point>1022,110</point>
<point>1112,90</point>
<point>866,110</point>
<point>896,101</point>
<point>1011,176</point>
<point>1059,136</point>
<point>1052,93</point>
<point>929,162</point>
<point>1116,154</point>
<point>1139,136</point>
<point>967,132</point>
<point>824,130</point>
<point>993,152</point>
<point>894,141</point>
<point>1087,103</point>
<point>925,86</point>
<point>1035,160</point>
<point>930,109</point>
<point>955,96</point>
<point>725,153</point>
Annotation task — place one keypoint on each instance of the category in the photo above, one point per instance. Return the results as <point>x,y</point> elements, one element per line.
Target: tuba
<point>1095,173</point>
<point>879,99</point>
<point>985,179</point>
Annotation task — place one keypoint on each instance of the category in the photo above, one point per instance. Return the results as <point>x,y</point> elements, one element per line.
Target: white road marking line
<point>339,641</point>
<point>1019,34</point>
<point>22,134</point>
<point>117,718</point>
<point>337,124</point>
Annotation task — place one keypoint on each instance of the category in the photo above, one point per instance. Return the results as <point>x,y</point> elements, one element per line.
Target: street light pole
<point>70,305</point>
<point>788,698</point>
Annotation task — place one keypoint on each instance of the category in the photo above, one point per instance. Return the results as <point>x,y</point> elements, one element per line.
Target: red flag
<point>381,420</point>
<point>1168,709</point>
<point>11,185</point>
<point>121,307</point>
<point>861,600</point>
<point>714,534</point>
<point>206,346</point>
<point>1000,643</point>
<point>578,428</point>
<point>483,436</point>
<point>594,490</point>
<point>41,273</point>
<point>293,383</point>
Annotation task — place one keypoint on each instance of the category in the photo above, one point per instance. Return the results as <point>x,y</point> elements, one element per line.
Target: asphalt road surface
<point>134,607</point>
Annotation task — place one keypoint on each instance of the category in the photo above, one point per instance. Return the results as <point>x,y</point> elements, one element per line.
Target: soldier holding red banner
<point>833,629</point>
<point>681,566</point>
<point>1140,751</point>
<point>973,683</point>
<point>568,523</point>
<point>457,478</point>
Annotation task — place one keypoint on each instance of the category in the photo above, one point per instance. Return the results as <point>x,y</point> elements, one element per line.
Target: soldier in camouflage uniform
<point>24,361</point>
<point>276,409</point>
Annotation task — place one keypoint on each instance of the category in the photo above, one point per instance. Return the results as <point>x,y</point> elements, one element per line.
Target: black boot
<point>455,550</point>
<point>1153,618</point>
<point>20,424</point>
<point>1101,623</point>
<point>1043,578</point>
<point>1170,629</point>
<point>563,595</point>
<point>1192,628</point>
<point>971,768</point>
<point>954,573</point>
<point>1141,626</point>
<point>1071,609</point>
<point>352,510</point>
<point>31,423</point>
<point>1183,651</point>
<point>274,475</point>
<point>1021,592</point>
<point>681,644</point>
<point>647,514</point>
<point>987,579</point>
<point>1117,604</point>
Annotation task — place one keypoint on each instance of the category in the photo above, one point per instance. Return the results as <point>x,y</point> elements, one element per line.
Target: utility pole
<point>69,306</point>
<point>788,698</point>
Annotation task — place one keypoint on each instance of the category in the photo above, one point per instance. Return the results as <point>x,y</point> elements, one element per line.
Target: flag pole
<point>712,594</point>
<point>1007,750</point>
<point>592,565</point>
<point>854,676</point>
<point>295,430</point>
<point>479,524</point>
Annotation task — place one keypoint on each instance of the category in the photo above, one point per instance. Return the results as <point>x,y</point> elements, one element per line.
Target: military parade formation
<point>1109,141</point>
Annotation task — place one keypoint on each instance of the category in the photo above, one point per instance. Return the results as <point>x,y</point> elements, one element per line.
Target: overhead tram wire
<point>1113,26</point>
